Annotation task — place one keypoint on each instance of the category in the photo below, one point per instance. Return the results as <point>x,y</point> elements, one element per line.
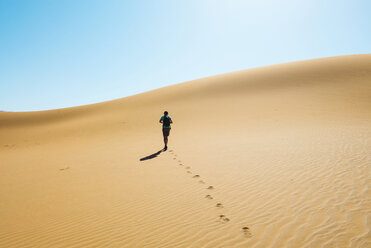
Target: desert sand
<point>276,156</point>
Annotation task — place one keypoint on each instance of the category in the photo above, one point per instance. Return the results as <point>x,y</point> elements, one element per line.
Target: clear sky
<point>56,54</point>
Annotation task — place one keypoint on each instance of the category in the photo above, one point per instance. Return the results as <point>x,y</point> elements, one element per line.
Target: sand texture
<point>276,156</point>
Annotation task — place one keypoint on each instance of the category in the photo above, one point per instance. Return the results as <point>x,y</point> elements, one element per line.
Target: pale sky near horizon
<point>56,54</point>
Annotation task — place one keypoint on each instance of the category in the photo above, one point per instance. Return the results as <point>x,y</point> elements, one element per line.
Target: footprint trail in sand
<point>222,217</point>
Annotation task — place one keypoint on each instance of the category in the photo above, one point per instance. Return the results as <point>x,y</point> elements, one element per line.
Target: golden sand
<point>277,156</point>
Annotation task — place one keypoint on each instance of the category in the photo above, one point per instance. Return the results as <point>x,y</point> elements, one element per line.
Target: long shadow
<point>152,155</point>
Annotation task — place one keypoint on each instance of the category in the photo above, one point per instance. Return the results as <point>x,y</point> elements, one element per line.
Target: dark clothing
<point>163,124</point>
<point>166,131</point>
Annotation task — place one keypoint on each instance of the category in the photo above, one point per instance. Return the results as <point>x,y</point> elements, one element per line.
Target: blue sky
<point>56,54</point>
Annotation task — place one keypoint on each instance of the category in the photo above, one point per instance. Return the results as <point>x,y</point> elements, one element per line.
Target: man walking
<point>166,121</point>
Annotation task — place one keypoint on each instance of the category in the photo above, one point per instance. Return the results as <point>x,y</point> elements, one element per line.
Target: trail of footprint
<point>222,217</point>
<point>66,168</point>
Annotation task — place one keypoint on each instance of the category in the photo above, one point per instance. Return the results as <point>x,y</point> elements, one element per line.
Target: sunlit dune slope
<point>286,149</point>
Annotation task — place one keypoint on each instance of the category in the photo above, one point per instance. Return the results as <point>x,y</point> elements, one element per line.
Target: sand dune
<point>277,156</point>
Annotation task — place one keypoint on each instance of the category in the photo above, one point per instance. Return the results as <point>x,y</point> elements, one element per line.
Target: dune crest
<point>276,156</point>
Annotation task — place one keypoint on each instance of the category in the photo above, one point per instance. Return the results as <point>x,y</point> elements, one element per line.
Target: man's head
<point>166,113</point>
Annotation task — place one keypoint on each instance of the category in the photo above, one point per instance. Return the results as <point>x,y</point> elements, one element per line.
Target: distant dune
<point>276,156</point>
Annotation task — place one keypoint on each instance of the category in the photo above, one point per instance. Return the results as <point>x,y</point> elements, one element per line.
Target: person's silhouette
<point>166,121</point>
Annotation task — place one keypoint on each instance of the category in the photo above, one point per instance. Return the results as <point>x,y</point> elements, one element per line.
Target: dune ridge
<point>285,149</point>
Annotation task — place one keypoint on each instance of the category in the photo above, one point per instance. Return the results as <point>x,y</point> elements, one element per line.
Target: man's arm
<point>160,120</point>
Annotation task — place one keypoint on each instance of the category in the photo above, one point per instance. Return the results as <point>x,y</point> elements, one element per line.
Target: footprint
<point>210,187</point>
<point>246,231</point>
<point>219,205</point>
<point>181,164</point>
<point>66,168</point>
<point>223,218</point>
<point>190,172</point>
<point>195,176</point>
<point>188,167</point>
<point>174,158</point>
<point>10,146</point>
<point>201,181</point>
<point>209,197</point>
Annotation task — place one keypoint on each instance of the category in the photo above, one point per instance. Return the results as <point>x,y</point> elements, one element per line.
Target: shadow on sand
<point>152,155</point>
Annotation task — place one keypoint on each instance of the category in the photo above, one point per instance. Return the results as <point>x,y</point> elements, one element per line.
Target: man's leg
<point>165,141</point>
<point>164,135</point>
<point>165,132</point>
